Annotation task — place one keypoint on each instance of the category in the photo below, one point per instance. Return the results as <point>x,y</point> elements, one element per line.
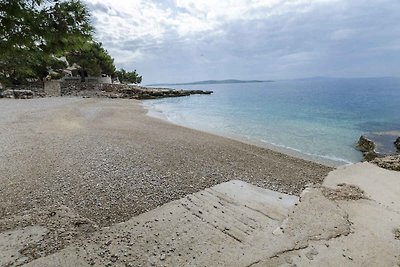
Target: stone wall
<point>99,79</point>
<point>70,87</point>
<point>75,88</point>
<point>106,80</point>
<point>52,88</point>
<point>36,87</point>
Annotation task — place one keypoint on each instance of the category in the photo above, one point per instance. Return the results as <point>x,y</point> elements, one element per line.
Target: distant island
<point>210,82</point>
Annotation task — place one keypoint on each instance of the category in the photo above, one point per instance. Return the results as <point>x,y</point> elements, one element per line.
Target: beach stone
<point>15,93</point>
<point>389,162</point>
<point>367,146</point>
<point>397,143</point>
<point>344,191</point>
<point>7,94</point>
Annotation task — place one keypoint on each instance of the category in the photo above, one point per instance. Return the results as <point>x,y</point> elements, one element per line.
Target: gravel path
<point>108,161</point>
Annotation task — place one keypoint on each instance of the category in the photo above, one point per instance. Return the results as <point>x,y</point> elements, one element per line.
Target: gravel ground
<point>107,161</point>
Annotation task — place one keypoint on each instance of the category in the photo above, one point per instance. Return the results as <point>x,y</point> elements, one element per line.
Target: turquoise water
<point>319,118</point>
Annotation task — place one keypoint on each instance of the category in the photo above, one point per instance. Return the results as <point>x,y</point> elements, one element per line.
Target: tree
<point>128,77</point>
<point>34,33</point>
<point>92,59</point>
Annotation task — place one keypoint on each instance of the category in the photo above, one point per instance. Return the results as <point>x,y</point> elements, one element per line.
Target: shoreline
<point>320,159</point>
<point>104,158</point>
<point>86,178</point>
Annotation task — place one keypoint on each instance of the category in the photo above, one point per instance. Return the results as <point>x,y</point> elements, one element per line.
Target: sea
<point>319,119</point>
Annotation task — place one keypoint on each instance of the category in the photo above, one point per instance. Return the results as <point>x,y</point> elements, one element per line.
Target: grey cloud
<point>343,38</point>
<point>106,9</point>
<point>97,7</point>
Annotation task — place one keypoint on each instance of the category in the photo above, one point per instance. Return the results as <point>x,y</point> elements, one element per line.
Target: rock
<point>367,146</point>
<point>19,94</point>
<point>7,94</point>
<point>383,156</point>
<point>162,93</point>
<point>397,143</point>
<point>114,95</point>
<point>368,156</point>
<point>391,162</point>
<point>344,191</point>
<point>123,91</point>
<point>23,94</point>
<point>397,233</point>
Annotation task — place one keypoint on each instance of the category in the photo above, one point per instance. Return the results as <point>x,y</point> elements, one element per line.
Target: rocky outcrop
<point>156,93</point>
<point>87,89</point>
<point>397,143</point>
<point>391,162</point>
<point>123,91</point>
<point>379,148</point>
<point>16,93</point>
<point>367,147</point>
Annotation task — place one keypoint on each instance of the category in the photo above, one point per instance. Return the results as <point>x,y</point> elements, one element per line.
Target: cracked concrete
<point>238,224</point>
<point>13,243</point>
<point>371,240</point>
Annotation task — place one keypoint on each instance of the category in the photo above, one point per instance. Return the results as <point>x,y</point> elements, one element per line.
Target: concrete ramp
<point>350,221</point>
<point>369,198</point>
<point>214,227</point>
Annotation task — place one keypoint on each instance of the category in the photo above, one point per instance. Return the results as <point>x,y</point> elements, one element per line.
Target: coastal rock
<point>95,90</point>
<point>378,148</point>
<point>162,93</point>
<point>388,162</point>
<point>123,91</point>
<point>367,147</point>
<point>19,94</point>
<point>397,143</point>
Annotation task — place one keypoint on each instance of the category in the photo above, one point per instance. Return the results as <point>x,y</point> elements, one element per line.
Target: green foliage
<point>55,76</point>
<point>128,77</point>
<point>34,32</point>
<point>93,59</point>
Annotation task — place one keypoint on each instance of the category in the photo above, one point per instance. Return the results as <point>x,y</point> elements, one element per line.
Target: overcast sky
<point>191,40</point>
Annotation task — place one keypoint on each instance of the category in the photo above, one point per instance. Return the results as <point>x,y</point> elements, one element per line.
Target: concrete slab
<point>314,219</point>
<point>237,224</point>
<point>40,232</point>
<point>12,243</point>
<point>381,185</point>
<point>371,241</point>
<point>214,227</point>
<point>374,236</point>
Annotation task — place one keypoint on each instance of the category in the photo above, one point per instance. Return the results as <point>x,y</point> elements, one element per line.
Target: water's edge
<point>320,159</point>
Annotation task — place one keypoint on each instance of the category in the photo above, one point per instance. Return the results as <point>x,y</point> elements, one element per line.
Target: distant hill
<point>210,82</point>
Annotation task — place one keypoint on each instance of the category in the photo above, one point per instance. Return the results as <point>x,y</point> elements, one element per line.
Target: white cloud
<point>141,18</point>
<point>225,37</point>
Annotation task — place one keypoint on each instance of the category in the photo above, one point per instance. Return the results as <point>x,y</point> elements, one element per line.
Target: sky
<point>192,40</point>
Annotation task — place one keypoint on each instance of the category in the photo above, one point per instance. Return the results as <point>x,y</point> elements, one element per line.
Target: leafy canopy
<point>33,33</point>
<point>128,77</point>
<point>93,59</point>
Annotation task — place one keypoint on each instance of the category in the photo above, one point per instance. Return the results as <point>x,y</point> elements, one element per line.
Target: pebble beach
<point>108,161</point>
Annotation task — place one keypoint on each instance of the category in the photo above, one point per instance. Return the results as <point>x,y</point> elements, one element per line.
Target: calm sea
<point>318,118</point>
